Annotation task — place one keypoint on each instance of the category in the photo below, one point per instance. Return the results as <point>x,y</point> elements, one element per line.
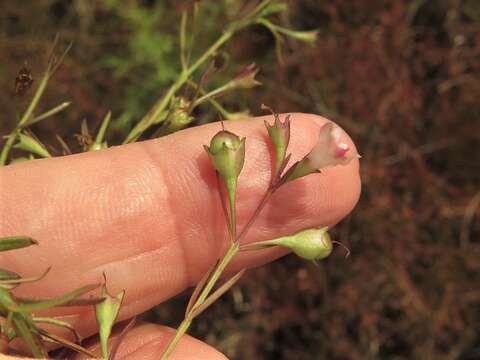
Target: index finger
<point>148,214</point>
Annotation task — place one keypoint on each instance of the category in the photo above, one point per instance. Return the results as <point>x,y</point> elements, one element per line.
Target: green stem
<point>103,128</point>
<point>231,186</point>
<point>26,116</point>
<point>160,106</point>
<point>182,329</point>
<point>254,217</point>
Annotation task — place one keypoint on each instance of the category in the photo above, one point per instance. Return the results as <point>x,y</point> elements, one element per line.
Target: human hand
<point>147,215</point>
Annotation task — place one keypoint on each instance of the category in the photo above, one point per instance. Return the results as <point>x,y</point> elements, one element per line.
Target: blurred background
<point>402,77</point>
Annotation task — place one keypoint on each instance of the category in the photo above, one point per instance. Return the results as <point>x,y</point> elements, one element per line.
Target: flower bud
<point>246,77</point>
<point>312,244</point>
<point>178,117</point>
<point>106,313</point>
<point>279,134</point>
<point>227,152</point>
<point>329,151</point>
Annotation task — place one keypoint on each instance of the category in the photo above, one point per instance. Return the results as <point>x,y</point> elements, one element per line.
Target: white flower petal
<point>329,151</point>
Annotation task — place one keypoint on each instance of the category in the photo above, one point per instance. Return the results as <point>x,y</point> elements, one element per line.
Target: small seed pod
<point>312,244</point>
<point>106,313</point>
<point>227,152</point>
<point>279,133</point>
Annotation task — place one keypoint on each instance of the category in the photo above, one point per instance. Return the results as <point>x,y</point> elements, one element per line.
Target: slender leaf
<point>28,143</point>
<point>16,242</point>
<point>199,288</point>
<point>8,275</point>
<point>25,280</point>
<point>36,305</point>
<point>24,329</point>
<point>273,8</point>
<point>219,292</point>
<point>48,113</point>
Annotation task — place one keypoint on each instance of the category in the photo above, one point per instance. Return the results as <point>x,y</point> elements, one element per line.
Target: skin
<point>148,215</point>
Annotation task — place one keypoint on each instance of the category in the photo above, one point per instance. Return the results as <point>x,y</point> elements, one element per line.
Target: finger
<point>148,341</point>
<point>148,215</point>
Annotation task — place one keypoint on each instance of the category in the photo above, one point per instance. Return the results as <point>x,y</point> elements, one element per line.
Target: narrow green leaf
<point>8,275</point>
<point>26,331</point>
<point>75,302</point>
<point>216,295</point>
<point>271,9</point>
<point>21,280</point>
<point>6,301</point>
<point>16,242</point>
<point>37,305</point>
<point>48,114</point>
<point>305,36</point>
<point>199,288</point>
<point>28,143</point>
<point>99,140</point>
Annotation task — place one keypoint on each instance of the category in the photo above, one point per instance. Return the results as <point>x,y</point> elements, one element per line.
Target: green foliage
<point>151,60</point>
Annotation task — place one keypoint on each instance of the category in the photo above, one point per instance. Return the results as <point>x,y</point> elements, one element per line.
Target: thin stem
<point>224,206</point>
<point>182,79</point>
<point>231,252</point>
<point>257,211</point>
<point>103,128</point>
<point>183,37</point>
<point>231,186</point>
<point>214,93</point>
<point>26,116</point>
<point>223,112</point>
<point>182,329</point>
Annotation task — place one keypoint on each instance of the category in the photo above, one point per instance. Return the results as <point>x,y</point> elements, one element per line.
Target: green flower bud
<point>227,152</point>
<point>311,244</point>
<point>279,134</point>
<point>179,117</point>
<point>245,78</point>
<point>330,150</point>
<point>106,313</point>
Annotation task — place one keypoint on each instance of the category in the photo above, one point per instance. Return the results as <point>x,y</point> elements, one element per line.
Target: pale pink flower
<point>329,150</point>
